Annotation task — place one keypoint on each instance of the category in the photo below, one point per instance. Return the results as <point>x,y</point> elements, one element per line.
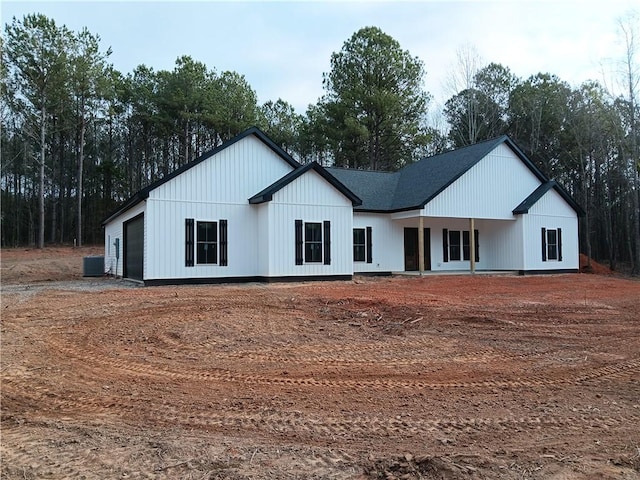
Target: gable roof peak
<point>143,193</point>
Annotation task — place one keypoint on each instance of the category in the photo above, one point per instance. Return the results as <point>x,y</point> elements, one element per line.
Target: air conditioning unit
<point>93,266</point>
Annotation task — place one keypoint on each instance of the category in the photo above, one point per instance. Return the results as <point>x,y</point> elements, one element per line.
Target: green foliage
<point>481,111</point>
<point>79,135</point>
<point>372,115</point>
<point>538,109</point>
<point>282,124</point>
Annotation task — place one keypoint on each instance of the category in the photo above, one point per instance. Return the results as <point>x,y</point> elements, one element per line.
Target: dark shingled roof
<point>415,185</point>
<point>539,192</point>
<point>375,189</point>
<point>266,195</point>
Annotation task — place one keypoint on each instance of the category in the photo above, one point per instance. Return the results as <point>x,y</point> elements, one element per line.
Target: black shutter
<point>188,242</point>
<point>299,243</point>
<point>223,243</point>
<point>445,245</point>
<point>369,246</point>
<point>477,245</point>
<point>544,244</point>
<point>559,240</point>
<point>326,238</point>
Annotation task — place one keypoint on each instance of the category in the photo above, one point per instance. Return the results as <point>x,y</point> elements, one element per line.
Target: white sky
<point>283,48</point>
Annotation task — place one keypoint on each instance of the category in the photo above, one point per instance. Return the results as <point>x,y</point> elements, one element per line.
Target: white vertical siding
<point>217,188</point>
<point>388,243</point>
<point>264,238</point>
<point>114,230</point>
<point>232,176</point>
<point>551,212</point>
<point>490,189</point>
<point>165,223</point>
<point>501,246</point>
<point>309,198</point>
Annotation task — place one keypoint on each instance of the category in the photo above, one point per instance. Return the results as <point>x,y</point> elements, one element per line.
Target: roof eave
<point>137,198</point>
<point>266,195</point>
<point>143,194</point>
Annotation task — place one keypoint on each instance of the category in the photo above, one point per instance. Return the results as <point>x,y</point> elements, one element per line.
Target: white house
<point>247,211</point>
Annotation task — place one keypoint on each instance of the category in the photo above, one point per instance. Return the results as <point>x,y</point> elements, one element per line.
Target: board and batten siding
<point>231,176</point>
<point>490,189</point>
<point>550,212</point>
<point>309,198</point>
<point>115,230</point>
<point>216,189</point>
<point>387,243</point>
<point>166,225</point>
<point>500,244</point>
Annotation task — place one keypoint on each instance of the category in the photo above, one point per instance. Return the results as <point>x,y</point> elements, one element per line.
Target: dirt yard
<point>439,377</point>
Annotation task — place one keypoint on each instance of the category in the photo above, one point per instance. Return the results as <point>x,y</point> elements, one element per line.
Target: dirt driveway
<point>440,377</point>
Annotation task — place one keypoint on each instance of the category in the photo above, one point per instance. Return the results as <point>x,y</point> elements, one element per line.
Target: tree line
<point>79,137</point>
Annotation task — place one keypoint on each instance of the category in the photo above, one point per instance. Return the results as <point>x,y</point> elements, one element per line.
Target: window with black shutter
<point>551,244</point>
<point>313,242</point>
<point>359,245</point>
<point>207,243</point>
<point>456,245</point>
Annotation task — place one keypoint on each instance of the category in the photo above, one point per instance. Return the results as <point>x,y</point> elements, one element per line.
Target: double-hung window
<point>551,244</point>
<point>207,243</point>
<point>454,245</point>
<point>359,245</point>
<point>313,242</point>
<point>457,245</point>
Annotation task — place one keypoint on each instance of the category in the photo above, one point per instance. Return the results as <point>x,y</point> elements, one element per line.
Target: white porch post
<point>472,246</point>
<point>421,244</point>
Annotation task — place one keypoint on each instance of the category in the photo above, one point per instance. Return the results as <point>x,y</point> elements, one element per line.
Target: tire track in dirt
<point>124,365</point>
<point>66,459</point>
<point>347,427</point>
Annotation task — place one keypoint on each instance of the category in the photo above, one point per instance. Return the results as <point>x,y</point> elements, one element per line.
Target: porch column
<point>472,246</point>
<point>421,244</point>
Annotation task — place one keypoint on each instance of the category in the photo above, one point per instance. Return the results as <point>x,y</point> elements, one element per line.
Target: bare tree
<point>628,29</point>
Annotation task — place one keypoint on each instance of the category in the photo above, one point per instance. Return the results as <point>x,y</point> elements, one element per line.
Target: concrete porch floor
<point>457,272</point>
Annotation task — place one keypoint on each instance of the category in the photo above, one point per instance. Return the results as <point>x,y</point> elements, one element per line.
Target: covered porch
<point>450,245</point>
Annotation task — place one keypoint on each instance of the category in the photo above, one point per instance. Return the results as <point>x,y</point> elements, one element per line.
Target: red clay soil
<point>593,266</point>
<point>439,377</point>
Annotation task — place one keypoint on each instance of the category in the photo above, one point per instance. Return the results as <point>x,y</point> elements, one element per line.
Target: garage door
<point>134,247</point>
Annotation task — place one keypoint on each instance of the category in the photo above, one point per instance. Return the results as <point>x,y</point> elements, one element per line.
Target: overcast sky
<point>282,48</point>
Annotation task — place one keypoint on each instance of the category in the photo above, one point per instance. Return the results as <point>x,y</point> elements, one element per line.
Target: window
<point>457,245</point>
<point>359,245</point>
<point>207,243</point>
<point>313,242</point>
<point>551,244</point>
<point>206,246</point>
<point>454,245</point>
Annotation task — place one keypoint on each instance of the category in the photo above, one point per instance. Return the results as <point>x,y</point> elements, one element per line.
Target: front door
<point>411,259</point>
